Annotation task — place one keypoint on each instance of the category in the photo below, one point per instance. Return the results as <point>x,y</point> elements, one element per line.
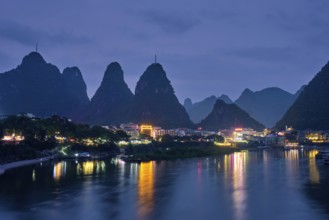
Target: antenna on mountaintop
<point>155,58</point>
<point>36,47</point>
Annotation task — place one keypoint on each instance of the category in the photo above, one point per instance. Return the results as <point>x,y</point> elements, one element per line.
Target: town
<point>131,134</point>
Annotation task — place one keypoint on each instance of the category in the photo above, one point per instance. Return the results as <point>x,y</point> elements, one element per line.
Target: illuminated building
<point>129,126</point>
<point>60,139</point>
<point>146,129</point>
<point>241,135</point>
<point>13,138</point>
<point>131,129</point>
<point>266,132</point>
<point>317,137</point>
<point>289,128</point>
<point>158,132</point>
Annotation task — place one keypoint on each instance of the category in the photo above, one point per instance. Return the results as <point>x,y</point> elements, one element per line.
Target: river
<point>244,185</point>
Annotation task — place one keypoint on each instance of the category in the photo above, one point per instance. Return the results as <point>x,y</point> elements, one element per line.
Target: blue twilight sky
<point>207,47</point>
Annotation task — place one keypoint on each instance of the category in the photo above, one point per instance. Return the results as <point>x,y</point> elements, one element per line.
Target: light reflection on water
<point>90,167</point>
<point>239,194</point>
<point>146,188</point>
<point>313,168</point>
<point>59,170</point>
<point>243,185</point>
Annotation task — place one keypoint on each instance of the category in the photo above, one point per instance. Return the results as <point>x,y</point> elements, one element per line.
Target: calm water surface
<point>246,185</point>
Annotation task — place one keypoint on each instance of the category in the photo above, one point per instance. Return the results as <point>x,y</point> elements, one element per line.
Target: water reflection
<point>199,170</point>
<point>33,175</point>
<point>91,167</point>
<point>244,185</point>
<point>313,168</point>
<point>59,170</point>
<point>239,193</point>
<point>146,189</point>
<point>291,155</point>
<point>235,175</point>
<point>292,166</point>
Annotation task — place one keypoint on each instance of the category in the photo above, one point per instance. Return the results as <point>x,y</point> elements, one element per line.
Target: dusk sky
<point>206,47</point>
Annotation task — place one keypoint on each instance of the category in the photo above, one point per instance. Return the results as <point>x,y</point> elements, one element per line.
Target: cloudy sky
<point>207,47</point>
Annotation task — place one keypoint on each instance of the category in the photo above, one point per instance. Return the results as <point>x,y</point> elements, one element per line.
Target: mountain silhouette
<point>39,88</point>
<point>226,116</point>
<point>311,109</point>
<point>113,99</point>
<point>155,101</point>
<point>200,110</point>
<point>267,106</point>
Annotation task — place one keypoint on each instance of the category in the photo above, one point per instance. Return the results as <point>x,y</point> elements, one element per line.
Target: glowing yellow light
<point>88,167</point>
<point>146,188</point>
<point>239,193</point>
<point>59,170</point>
<point>225,144</point>
<point>13,137</point>
<point>314,172</point>
<point>146,129</point>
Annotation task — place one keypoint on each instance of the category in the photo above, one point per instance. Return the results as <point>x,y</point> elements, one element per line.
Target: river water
<point>245,185</point>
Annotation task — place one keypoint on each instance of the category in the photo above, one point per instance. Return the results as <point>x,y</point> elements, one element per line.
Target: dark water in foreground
<point>255,185</point>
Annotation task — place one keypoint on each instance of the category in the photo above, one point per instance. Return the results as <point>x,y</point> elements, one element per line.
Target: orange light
<point>146,129</point>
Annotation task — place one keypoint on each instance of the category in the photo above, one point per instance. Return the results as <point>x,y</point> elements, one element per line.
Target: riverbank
<point>21,163</point>
<point>179,153</point>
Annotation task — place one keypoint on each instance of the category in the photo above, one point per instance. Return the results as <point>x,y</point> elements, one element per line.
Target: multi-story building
<point>131,129</point>
<point>317,136</point>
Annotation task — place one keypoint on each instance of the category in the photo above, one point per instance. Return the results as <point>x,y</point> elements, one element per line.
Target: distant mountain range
<point>224,116</point>
<point>268,105</point>
<point>200,110</point>
<point>38,87</point>
<point>311,109</point>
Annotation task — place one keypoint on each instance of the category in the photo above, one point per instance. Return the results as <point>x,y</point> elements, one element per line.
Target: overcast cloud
<point>206,47</point>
